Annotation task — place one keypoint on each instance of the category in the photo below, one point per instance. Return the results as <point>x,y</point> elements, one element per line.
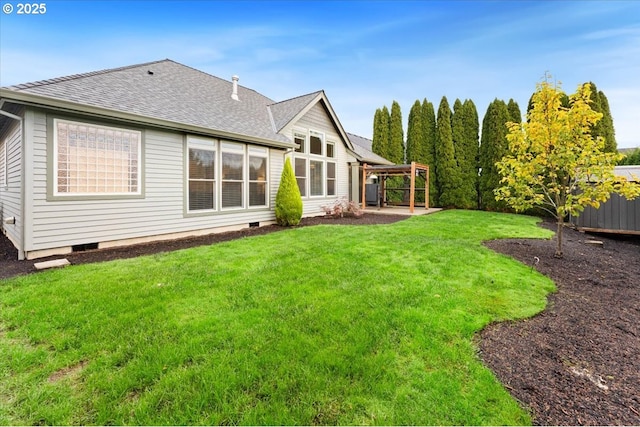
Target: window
<point>202,173</point>
<point>331,178</point>
<point>316,178</point>
<point>301,175</point>
<point>301,140</point>
<point>257,177</point>
<point>315,143</point>
<point>232,191</point>
<point>3,164</point>
<point>93,159</point>
<point>331,149</point>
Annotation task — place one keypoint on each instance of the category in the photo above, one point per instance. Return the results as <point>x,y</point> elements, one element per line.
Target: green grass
<point>313,325</point>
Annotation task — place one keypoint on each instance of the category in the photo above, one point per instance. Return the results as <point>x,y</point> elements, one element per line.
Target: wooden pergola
<point>411,171</point>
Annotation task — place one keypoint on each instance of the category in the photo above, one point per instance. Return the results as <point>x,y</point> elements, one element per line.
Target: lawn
<point>312,325</point>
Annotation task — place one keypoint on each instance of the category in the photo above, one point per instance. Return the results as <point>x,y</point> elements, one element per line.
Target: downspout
<point>21,254</point>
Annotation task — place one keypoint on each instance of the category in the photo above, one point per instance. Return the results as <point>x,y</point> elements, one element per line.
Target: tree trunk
<point>558,253</point>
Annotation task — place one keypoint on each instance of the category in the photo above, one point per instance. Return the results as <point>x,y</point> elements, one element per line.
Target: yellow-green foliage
<point>554,163</point>
<point>288,199</point>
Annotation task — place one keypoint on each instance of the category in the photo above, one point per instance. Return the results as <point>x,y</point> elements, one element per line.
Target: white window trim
<point>321,135</point>
<point>323,179</point>
<point>220,146</point>
<point>57,193</point>
<point>302,135</point>
<point>327,144</point>
<point>262,153</point>
<point>234,148</point>
<point>335,178</point>
<point>309,157</point>
<point>202,144</point>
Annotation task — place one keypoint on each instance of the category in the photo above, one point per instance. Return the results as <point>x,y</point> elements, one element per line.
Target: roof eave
<point>364,159</point>
<point>74,107</point>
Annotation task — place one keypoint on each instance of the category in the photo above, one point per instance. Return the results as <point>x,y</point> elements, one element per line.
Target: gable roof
<point>284,112</point>
<point>161,92</point>
<point>362,150</point>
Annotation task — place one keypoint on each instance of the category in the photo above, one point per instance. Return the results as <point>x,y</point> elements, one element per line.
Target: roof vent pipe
<point>234,94</point>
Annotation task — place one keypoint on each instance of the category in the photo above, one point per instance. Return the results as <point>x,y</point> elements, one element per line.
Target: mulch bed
<point>577,363</point>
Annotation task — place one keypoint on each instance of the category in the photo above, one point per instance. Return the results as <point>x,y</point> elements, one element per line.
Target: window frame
<point>334,179</point>
<point>233,148</point>
<point>220,147</point>
<point>53,165</point>
<point>209,145</point>
<point>303,136</point>
<point>321,179</point>
<point>321,137</point>
<point>263,153</point>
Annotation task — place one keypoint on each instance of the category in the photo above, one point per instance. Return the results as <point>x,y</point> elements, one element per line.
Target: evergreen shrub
<point>288,199</point>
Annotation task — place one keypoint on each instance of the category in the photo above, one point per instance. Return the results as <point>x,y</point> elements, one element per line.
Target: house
<point>159,151</point>
<point>617,215</point>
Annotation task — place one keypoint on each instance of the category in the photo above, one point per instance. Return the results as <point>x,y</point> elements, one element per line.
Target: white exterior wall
<point>59,224</point>
<point>11,190</point>
<point>317,119</point>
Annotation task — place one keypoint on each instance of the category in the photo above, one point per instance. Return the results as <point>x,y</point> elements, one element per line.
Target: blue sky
<point>364,54</point>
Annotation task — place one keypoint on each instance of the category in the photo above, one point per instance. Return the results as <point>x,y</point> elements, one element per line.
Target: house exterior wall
<point>11,181</point>
<point>58,224</point>
<point>317,119</point>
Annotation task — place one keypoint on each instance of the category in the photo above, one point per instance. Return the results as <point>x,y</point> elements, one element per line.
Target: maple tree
<point>554,163</point>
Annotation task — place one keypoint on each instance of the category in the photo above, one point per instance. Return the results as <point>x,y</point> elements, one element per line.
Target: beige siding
<point>11,190</point>
<point>63,223</point>
<point>318,119</point>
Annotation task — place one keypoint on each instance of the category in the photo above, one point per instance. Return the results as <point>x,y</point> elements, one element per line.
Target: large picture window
<point>92,159</point>
<point>219,174</point>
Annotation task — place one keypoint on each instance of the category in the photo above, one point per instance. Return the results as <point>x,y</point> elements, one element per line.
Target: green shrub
<point>288,199</point>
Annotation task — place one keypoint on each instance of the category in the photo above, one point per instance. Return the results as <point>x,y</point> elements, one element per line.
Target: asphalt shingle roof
<point>362,148</point>
<point>283,112</point>
<point>169,91</point>
<point>173,92</point>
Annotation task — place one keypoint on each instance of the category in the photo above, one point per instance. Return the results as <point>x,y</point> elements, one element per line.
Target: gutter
<point>101,112</point>
<point>21,252</point>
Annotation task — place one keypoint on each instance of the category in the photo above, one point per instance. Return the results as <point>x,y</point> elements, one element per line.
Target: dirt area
<point>577,363</point>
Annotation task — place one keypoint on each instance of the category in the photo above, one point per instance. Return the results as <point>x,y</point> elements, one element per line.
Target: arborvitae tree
<point>396,137</point>
<point>429,131</point>
<point>457,132</point>
<point>446,168</point>
<point>469,168</point>
<point>609,134</point>
<point>514,111</point>
<point>604,127</point>
<point>288,200</point>
<point>380,144</point>
<point>493,147</point>
<point>415,136</point>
